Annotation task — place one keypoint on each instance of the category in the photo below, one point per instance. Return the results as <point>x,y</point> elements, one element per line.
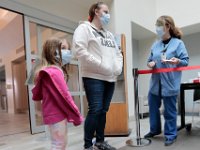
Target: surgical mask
<point>160,31</point>
<point>105,18</point>
<point>66,56</point>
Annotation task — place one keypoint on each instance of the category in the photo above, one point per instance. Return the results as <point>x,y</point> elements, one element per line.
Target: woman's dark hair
<point>92,10</point>
<point>169,22</point>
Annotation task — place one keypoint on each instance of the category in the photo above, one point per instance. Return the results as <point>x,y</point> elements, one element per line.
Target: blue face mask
<point>160,31</point>
<point>66,56</point>
<point>105,18</point>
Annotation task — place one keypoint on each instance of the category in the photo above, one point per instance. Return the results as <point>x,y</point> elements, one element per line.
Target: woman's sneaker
<point>151,135</point>
<point>169,142</point>
<point>103,146</point>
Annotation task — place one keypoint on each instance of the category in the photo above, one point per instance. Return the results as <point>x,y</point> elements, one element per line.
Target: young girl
<point>58,106</point>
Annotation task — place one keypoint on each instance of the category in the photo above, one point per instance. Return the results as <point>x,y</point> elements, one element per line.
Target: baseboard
<point>118,134</point>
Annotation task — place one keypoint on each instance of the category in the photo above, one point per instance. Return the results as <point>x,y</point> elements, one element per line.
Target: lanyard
<point>165,49</point>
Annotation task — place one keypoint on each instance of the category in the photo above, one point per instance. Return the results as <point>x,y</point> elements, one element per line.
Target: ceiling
<point>88,3</point>
<point>84,3</point>
<point>5,17</point>
<point>11,31</point>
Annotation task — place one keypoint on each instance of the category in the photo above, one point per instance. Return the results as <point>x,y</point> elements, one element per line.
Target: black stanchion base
<point>188,127</point>
<point>138,142</point>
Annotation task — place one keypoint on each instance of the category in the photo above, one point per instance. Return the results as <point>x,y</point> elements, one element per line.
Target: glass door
<point>36,33</point>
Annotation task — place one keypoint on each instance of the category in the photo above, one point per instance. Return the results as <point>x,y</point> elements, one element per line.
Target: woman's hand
<point>151,64</point>
<point>174,61</point>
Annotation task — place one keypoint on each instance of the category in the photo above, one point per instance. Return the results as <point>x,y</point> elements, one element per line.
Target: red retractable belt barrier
<point>168,69</point>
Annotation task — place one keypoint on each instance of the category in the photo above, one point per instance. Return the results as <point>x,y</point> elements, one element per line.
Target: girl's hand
<point>151,64</point>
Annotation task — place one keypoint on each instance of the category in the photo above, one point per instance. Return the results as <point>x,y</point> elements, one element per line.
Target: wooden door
<point>117,116</point>
<point>20,89</point>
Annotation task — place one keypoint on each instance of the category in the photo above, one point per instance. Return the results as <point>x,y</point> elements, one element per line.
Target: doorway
<point>13,93</point>
<point>37,32</point>
<point>12,55</point>
<point>19,88</point>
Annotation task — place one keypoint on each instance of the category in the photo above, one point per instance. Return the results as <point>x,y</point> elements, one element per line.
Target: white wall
<point>184,12</point>
<point>135,59</point>
<point>142,12</point>
<point>144,51</point>
<point>124,13</point>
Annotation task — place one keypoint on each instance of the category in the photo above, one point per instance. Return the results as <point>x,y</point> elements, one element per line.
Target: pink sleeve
<point>64,100</point>
<point>37,90</point>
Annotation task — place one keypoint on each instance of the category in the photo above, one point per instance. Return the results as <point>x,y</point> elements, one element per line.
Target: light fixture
<point>3,13</point>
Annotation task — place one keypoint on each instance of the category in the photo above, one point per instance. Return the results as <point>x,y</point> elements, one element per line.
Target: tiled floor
<point>26,141</point>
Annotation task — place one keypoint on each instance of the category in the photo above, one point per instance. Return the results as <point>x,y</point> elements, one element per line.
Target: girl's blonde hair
<point>51,49</point>
<point>169,22</point>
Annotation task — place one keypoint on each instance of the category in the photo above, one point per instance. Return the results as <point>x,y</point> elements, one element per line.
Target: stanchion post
<point>135,75</point>
<point>138,141</point>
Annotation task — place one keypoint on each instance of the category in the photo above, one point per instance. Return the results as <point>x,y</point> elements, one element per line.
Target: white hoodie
<point>98,53</point>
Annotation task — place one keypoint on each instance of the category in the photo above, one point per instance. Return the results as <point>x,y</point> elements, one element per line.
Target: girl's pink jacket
<point>57,102</point>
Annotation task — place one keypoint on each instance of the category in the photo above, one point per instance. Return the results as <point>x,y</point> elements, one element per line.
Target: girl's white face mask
<point>66,56</point>
<point>160,31</point>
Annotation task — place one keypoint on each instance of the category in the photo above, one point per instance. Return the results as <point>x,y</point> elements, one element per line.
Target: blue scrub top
<point>170,81</point>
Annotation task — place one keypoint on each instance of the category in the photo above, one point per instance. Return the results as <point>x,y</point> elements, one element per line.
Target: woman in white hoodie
<point>101,63</point>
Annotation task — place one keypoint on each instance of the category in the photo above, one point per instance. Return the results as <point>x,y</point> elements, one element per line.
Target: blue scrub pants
<point>170,115</point>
